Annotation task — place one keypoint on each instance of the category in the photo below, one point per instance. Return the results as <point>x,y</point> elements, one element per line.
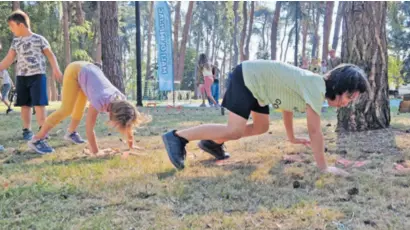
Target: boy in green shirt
<point>255,85</point>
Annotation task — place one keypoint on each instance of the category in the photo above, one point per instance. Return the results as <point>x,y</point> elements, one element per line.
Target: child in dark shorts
<point>257,84</point>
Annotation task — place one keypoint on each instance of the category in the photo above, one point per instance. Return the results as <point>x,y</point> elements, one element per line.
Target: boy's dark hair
<point>18,17</point>
<point>345,78</point>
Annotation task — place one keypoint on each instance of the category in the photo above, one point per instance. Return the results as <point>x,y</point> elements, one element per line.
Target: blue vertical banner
<point>163,35</point>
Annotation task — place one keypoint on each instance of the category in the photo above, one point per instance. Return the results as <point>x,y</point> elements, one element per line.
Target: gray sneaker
<point>175,147</point>
<point>74,137</point>
<point>215,149</point>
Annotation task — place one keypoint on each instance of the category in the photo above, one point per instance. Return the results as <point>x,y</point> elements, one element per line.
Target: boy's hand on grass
<point>336,171</point>
<point>302,141</point>
<point>58,75</point>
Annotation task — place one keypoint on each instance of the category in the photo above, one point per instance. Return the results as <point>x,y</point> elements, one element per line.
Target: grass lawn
<point>255,189</point>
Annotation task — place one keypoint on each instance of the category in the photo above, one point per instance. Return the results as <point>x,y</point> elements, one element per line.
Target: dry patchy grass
<point>255,189</point>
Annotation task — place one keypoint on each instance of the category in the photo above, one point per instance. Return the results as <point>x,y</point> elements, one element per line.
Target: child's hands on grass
<point>302,141</point>
<point>336,171</point>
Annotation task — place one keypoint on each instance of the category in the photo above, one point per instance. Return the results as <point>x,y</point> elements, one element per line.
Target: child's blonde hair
<point>124,115</point>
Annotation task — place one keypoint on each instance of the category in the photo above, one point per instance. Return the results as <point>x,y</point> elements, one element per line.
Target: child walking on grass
<point>30,50</point>
<point>85,81</point>
<point>257,84</point>
<point>205,68</point>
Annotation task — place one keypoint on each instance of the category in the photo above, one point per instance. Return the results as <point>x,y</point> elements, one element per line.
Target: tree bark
<point>188,19</point>
<point>110,44</point>
<point>283,38</point>
<point>67,44</point>
<point>249,35</point>
<point>316,38</point>
<point>305,28</point>
<point>234,35</point>
<point>274,30</point>
<point>243,33</point>
<point>287,45</point>
<point>15,5</point>
<point>339,15</point>
<point>263,31</point>
<point>80,21</point>
<point>97,36</point>
<point>327,25</point>
<point>177,22</point>
<point>150,27</point>
<point>364,43</point>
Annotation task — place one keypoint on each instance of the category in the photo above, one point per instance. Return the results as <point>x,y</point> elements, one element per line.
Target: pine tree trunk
<point>188,19</point>
<point>97,35</point>
<point>327,25</point>
<point>248,38</point>
<point>15,5</point>
<point>316,38</point>
<point>230,55</point>
<point>198,39</point>
<point>340,10</point>
<point>110,44</point>
<point>364,44</point>
<point>267,45</point>
<point>53,89</point>
<point>234,35</point>
<point>283,38</point>
<point>274,30</point>
<point>67,44</point>
<point>287,45</point>
<point>177,22</point>
<point>80,22</point>
<point>150,27</point>
<point>263,32</point>
<point>305,28</point>
<point>243,33</point>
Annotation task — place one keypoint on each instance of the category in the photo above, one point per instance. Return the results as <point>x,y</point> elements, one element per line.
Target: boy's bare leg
<point>259,126</point>
<point>41,114</point>
<point>26,117</point>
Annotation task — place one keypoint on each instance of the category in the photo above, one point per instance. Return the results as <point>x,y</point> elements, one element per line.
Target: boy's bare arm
<point>54,64</point>
<point>316,137</point>
<point>288,122</point>
<point>8,60</point>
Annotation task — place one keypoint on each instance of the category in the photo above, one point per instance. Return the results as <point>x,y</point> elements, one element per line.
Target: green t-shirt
<point>284,86</point>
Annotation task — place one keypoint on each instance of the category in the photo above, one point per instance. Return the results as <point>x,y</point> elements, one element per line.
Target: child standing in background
<point>30,49</point>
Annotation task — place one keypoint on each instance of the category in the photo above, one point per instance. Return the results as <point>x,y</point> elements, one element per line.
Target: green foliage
<point>188,81</point>
<point>394,68</point>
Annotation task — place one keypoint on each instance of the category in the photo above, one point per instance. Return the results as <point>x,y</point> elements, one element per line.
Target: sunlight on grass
<point>254,189</point>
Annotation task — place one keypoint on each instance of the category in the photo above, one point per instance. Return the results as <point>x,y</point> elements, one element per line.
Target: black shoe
<point>215,149</point>
<point>9,110</point>
<point>175,147</point>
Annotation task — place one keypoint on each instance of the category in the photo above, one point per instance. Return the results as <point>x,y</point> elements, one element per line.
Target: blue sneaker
<point>1,148</point>
<point>74,137</point>
<point>27,134</point>
<point>40,146</point>
<point>175,147</point>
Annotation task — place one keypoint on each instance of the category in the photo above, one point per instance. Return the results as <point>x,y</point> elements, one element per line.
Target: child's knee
<point>235,133</point>
<point>262,129</point>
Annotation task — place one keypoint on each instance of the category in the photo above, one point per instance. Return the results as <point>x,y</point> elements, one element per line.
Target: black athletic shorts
<point>238,98</point>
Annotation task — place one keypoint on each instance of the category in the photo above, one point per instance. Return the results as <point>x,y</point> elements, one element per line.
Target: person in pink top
<point>84,81</point>
<point>205,68</point>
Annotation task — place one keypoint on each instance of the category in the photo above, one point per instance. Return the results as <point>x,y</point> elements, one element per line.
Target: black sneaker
<point>9,110</point>
<point>175,147</point>
<point>215,149</point>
